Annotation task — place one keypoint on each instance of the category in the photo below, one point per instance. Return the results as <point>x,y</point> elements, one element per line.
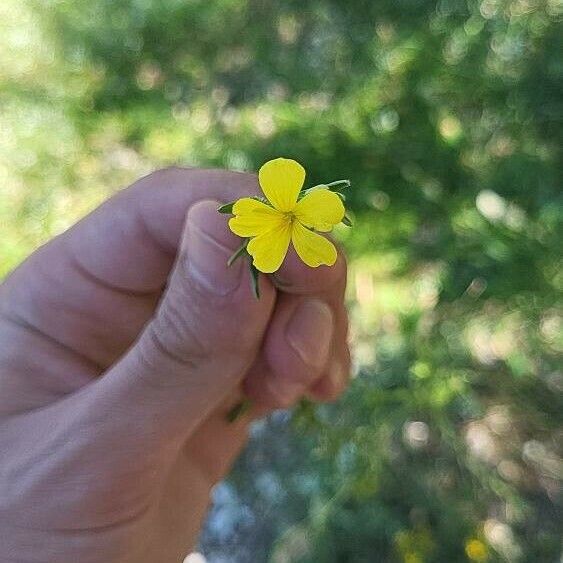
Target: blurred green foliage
<point>447,117</point>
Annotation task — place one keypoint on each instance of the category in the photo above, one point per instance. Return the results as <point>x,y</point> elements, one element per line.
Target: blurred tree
<point>447,117</point>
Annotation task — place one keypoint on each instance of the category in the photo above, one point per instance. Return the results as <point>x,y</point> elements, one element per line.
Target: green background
<point>446,116</point>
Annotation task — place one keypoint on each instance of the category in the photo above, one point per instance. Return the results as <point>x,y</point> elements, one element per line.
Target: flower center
<point>289,216</point>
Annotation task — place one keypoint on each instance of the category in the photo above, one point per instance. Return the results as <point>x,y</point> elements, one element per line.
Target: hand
<point>124,343</point>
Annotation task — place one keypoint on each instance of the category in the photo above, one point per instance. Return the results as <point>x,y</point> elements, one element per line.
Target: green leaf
<point>239,410</point>
<point>227,208</point>
<point>255,280</point>
<point>347,221</point>
<point>240,251</point>
<point>305,417</point>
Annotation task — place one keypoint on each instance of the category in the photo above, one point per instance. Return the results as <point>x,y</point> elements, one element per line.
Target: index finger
<point>297,278</point>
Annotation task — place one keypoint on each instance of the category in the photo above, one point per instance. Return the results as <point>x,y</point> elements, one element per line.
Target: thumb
<point>193,353</point>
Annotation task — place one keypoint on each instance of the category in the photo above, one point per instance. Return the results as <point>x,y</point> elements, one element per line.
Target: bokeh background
<point>446,116</point>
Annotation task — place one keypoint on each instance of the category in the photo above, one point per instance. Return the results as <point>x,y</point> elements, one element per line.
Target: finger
<point>92,289</point>
<point>282,380</point>
<point>296,277</point>
<point>296,350</point>
<point>334,381</point>
<point>219,439</point>
<point>196,349</point>
<point>327,284</point>
<point>278,381</point>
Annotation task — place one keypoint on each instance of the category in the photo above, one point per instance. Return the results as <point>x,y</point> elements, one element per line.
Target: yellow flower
<point>285,218</point>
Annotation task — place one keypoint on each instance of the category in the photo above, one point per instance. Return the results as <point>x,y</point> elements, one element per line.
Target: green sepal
<point>341,196</point>
<point>227,208</point>
<point>347,221</point>
<point>331,186</point>
<point>260,198</point>
<point>340,184</point>
<point>240,251</point>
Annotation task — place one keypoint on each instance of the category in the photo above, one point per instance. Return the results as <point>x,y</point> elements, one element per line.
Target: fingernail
<point>309,332</point>
<point>209,245</point>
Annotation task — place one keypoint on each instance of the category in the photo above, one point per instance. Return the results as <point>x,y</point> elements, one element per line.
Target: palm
<point>165,506</point>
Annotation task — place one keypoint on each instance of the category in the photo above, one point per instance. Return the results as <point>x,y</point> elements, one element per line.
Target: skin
<point>124,342</point>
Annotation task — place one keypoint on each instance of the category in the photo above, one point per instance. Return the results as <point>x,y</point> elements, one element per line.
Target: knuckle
<point>189,329</point>
<point>170,175</point>
<point>174,330</point>
<point>156,347</point>
<point>225,320</point>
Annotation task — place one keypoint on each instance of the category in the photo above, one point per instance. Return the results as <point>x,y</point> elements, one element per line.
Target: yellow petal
<point>312,248</point>
<point>320,209</point>
<point>246,205</point>
<point>281,181</point>
<point>253,217</point>
<point>269,249</point>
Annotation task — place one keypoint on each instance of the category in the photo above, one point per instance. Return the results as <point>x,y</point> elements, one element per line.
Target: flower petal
<point>281,181</point>
<point>320,209</point>
<point>312,248</point>
<point>269,249</point>
<point>246,205</point>
<point>253,217</point>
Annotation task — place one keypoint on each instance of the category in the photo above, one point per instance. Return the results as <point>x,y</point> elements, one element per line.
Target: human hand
<point>124,343</point>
